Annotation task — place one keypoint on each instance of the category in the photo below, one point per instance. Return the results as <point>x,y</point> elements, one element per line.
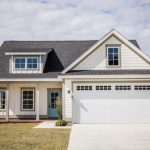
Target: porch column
<point>37,102</point>
<point>7,103</point>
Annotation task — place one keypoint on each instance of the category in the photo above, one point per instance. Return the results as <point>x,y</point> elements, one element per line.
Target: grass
<point>22,136</point>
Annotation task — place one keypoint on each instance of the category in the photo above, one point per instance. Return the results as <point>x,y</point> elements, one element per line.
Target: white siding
<point>67,100</point>
<point>97,60</point>
<point>15,95</point>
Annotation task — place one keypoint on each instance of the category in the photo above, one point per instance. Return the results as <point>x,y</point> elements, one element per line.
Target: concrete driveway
<point>110,137</point>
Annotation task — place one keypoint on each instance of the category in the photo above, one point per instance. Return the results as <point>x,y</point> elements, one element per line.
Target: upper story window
<point>113,56</point>
<point>26,63</point>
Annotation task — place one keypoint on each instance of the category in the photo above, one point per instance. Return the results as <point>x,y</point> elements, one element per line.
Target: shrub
<point>61,123</point>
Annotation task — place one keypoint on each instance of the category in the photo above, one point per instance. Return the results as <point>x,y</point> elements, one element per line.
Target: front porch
<point>27,101</point>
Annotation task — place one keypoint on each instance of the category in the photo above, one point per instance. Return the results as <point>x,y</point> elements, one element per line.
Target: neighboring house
<point>104,81</point>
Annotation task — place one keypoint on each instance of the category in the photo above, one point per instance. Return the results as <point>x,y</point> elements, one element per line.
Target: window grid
<point>142,87</point>
<point>85,88</point>
<point>54,96</point>
<point>2,99</point>
<point>123,87</point>
<point>26,63</point>
<point>113,56</point>
<point>27,99</point>
<point>103,87</point>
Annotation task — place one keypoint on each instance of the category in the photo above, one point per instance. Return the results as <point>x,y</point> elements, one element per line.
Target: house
<point>103,81</point>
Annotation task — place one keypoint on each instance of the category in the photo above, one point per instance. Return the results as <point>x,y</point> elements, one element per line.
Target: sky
<point>74,20</point>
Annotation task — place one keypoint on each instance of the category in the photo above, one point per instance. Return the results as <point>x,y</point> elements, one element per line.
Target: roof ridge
<point>49,41</point>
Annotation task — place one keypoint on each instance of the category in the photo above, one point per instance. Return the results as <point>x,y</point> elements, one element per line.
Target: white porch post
<point>37,102</point>
<point>7,103</point>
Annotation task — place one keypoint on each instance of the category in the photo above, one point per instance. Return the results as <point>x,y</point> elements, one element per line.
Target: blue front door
<point>53,94</point>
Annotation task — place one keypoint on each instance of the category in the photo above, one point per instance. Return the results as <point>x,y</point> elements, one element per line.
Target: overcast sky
<point>74,19</point>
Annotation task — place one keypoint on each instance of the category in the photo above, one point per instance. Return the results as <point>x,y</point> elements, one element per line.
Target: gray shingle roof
<point>64,51</point>
<point>108,72</point>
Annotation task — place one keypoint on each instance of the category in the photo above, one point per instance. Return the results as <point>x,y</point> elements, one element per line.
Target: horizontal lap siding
<point>97,59</point>
<point>67,99</point>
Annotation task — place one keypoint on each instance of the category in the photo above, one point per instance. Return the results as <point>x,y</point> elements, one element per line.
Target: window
<point>103,87</point>
<point>31,62</point>
<point>84,88</point>
<point>113,56</point>
<point>26,63</point>
<point>19,63</point>
<point>27,99</point>
<point>123,87</point>
<point>2,99</point>
<point>142,87</point>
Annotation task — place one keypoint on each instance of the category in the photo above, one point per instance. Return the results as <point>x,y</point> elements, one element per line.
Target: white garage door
<point>111,103</point>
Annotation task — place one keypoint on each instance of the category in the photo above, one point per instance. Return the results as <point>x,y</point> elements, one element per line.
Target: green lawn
<point>22,136</point>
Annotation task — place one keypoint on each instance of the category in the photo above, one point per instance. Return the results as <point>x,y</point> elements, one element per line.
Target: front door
<point>53,94</point>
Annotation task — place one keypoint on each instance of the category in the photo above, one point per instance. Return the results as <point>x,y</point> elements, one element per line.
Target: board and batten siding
<point>15,97</point>
<point>97,60</point>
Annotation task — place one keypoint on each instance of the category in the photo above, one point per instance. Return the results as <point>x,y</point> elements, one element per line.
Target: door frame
<point>48,90</point>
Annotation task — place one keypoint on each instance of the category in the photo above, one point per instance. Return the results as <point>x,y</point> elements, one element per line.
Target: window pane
<point>25,102</point>
<point>25,106</point>
<point>29,65</point>
<point>30,97</point>
<point>35,60</point>
<point>115,56</point>
<point>29,60</point>
<point>110,56</point>
<point>110,62</point>
<point>30,106</point>
<point>30,102</point>
<point>115,62</point>
<point>17,60</point>
<point>34,65</point>
<point>17,65</point>
<point>110,50</point>
<point>22,66</point>
<point>115,50</point>
<point>23,60</point>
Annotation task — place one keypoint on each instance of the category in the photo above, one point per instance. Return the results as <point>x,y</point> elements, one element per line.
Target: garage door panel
<point>111,106</point>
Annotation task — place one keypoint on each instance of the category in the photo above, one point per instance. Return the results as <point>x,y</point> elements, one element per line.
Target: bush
<point>61,123</point>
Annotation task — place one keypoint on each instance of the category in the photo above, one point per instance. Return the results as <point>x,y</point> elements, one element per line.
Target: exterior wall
<point>15,97</point>
<point>97,60</point>
<point>67,99</point>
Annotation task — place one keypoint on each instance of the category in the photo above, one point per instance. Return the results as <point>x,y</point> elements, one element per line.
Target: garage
<point>111,103</point>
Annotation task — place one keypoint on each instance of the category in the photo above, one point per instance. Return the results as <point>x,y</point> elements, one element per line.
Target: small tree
<point>59,107</point>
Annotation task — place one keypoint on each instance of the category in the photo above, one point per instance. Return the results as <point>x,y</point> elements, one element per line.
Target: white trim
<point>7,102</point>
<point>32,79</point>
<point>26,63</point>
<point>105,37</point>
<point>119,58</point>
<point>25,53</point>
<point>105,76</point>
<point>37,104</point>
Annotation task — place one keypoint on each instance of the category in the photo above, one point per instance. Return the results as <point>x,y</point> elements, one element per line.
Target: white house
<point>104,81</point>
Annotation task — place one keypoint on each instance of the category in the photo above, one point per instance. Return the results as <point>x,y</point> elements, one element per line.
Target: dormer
<point>26,62</point>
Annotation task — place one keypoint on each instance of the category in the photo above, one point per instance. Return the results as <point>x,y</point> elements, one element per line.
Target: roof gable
<point>132,44</point>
